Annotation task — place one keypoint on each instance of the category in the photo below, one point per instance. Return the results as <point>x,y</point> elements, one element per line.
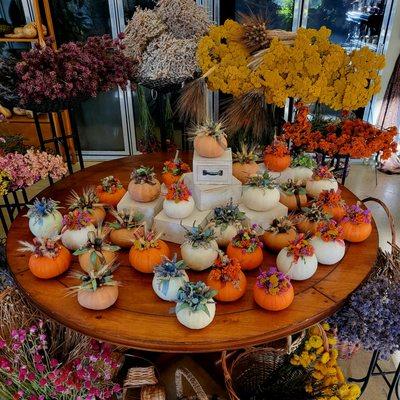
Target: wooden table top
<point>139,319</point>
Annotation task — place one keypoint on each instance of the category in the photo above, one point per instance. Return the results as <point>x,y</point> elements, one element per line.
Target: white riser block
<point>149,210</point>
<point>213,171</point>
<point>281,177</point>
<point>171,228</point>
<point>208,197</point>
<point>263,218</point>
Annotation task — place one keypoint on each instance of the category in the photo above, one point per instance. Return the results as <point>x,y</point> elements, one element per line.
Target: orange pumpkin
<point>111,199</point>
<point>337,212</point>
<point>97,215</point>
<point>356,232</point>
<point>208,146</point>
<point>277,163</point>
<point>248,261</point>
<point>227,291</point>
<point>169,178</point>
<point>306,226</point>
<point>293,202</point>
<point>273,302</point>
<point>145,260</point>
<point>86,263</point>
<point>244,171</point>
<point>47,267</point>
<point>124,237</point>
<point>144,192</point>
<point>277,241</point>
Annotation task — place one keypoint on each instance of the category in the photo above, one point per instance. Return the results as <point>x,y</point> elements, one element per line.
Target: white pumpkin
<point>301,173</point>
<point>168,289</point>
<point>314,188</point>
<point>100,299</point>
<point>224,236</point>
<point>178,210</point>
<point>75,239</point>
<point>260,199</point>
<point>47,226</point>
<point>199,258</point>
<point>328,253</point>
<point>304,268</point>
<point>196,319</point>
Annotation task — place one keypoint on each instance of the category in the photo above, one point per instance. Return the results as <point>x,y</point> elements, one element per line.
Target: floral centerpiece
<point>273,290</point>
<point>293,195</point>
<point>178,202</point>
<point>246,247</point>
<point>209,139</point>
<point>227,278</point>
<point>76,226</point>
<point>357,223</point>
<point>321,179</point>
<point>195,307</point>
<point>110,191</point>
<point>173,170</point>
<point>245,162</point>
<point>302,167</point>
<point>298,259</point>
<point>87,201</point>
<point>279,233</point>
<point>144,186</point>
<point>277,156</point>
<point>332,203</point>
<point>310,217</point>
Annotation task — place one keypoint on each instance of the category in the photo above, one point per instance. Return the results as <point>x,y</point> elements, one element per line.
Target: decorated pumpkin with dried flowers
<point>88,201</point>
<point>357,223</point>
<point>173,170</point>
<point>148,251</point>
<point>332,203</point>
<point>97,250</point>
<point>209,139</point>
<point>281,231</point>
<point>144,186</point>
<point>302,167</point>
<point>298,259</point>
<point>277,156</point>
<point>328,242</point>
<point>260,192</point>
<point>322,179</point>
<point>246,247</point>
<point>293,195</point>
<point>178,202</point>
<point>245,162</point>
<point>48,259</point>
<point>309,218</point>
<point>127,226</point>
<point>76,226</point>
<point>273,290</point>
<point>110,191</point>
<point>200,248</point>
<point>227,278</point>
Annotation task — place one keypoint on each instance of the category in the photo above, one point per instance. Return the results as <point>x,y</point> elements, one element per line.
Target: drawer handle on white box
<point>212,173</point>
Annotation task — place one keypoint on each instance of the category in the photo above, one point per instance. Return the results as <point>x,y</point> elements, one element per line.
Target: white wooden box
<point>263,218</point>
<point>149,210</point>
<point>213,171</point>
<point>208,197</point>
<point>281,177</point>
<point>171,228</point>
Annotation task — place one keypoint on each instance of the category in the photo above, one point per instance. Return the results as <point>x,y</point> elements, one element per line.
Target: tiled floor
<point>362,181</point>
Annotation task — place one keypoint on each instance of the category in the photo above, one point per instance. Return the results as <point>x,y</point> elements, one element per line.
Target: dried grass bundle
<point>192,102</point>
<point>255,35</point>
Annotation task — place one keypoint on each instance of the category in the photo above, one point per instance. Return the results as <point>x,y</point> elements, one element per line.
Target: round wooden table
<point>139,319</point>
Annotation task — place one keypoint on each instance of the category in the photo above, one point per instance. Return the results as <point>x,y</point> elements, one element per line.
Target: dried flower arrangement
<point>264,181</point>
<point>42,247</point>
<point>178,192</point>
<point>329,231</point>
<point>87,201</point>
<point>199,237</point>
<point>148,241</point>
<point>281,225</point>
<point>144,175</point>
<point>247,239</point>
<point>42,208</point>
<point>5,182</point>
<point>126,219</point>
<point>170,268</point>
<point>227,215</point>
<point>195,296</point>
<point>273,281</point>
<point>314,213</point>
<point>175,167</point>
<point>357,215</point>
<point>209,128</point>
<point>278,149</point>
<point>330,198</point>
<point>247,154</point>
<point>300,247</point>
<point>109,184</point>
<point>304,160</point>
<point>322,172</point>
<point>292,187</point>
<point>76,220</point>
<point>226,269</point>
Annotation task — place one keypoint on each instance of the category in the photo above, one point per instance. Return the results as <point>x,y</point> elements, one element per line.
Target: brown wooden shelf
<point>23,118</point>
<point>20,40</point>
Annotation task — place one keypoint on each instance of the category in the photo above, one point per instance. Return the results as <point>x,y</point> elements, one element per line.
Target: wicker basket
<point>251,372</point>
<point>198,392</point>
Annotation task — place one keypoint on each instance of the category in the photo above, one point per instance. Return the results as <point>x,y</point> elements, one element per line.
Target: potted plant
<point>96,250</point>
<point>293,195</point>
<point>178,202</point>
<point>195,307</point>
<point>144,186</point>
<point>328,242</point>
<point>278,235</point>
<point>273,290</point>
<point>110,191</point>
<point>209,139</point>
<point>127,226</point>
<point>245,162</point>
<point>246,247</point>
<point>200,249</point>
<point>260,193</point>
<point>298,260</point>
<point>76,226</point>
<point>48,259</point>
<point>356,223</point>
<point>98,289</point>
<point>45,220</point>
<point>173,170</point>
<point>322,179</point>
<point>277,156</point>
<point>302,167</point>
<point>332,204</point>
<point>226,222</point>
<point>227,278</point>
<point>169,277</point>
<point>148,251</point>
<point>310,217</point>
<point>89,202</point>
